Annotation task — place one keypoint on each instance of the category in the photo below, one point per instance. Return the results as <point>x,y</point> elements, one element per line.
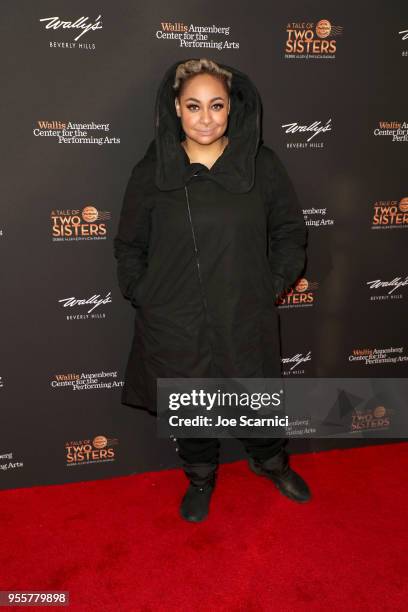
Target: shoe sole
<point>193,520</point>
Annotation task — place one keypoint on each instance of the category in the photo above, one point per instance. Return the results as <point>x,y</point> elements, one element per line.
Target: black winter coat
<point>203,253</point>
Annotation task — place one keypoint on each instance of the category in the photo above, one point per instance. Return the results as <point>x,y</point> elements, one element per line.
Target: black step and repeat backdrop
<point>79,86</point>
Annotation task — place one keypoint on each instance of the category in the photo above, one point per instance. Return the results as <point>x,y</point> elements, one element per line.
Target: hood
<point>235,168</point>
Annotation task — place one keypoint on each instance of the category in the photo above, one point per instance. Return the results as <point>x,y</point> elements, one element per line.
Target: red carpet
<point>118,544</point>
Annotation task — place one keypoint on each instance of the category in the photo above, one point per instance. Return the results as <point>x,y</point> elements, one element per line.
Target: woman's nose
<point>206,117</point>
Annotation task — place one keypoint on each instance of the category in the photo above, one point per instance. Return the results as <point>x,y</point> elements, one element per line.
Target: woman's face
<point>203,109</point>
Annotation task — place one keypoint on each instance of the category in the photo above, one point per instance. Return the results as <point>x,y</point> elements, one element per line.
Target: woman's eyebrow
<point>212,99</point>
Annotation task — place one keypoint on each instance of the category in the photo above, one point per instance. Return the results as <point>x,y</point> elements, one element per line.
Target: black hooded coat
<point>203,253</point>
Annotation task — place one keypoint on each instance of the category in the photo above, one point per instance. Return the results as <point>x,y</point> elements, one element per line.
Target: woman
<point>210,234</point>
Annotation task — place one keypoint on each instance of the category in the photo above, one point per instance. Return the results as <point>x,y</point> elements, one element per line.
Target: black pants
<point>206,450</point>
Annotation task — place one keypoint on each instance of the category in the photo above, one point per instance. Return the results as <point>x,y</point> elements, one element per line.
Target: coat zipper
<point>196,253</point>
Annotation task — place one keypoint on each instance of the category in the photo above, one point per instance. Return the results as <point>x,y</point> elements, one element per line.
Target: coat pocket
<point>138,290</point>
<point>278,286</point>
<point>275,283</point>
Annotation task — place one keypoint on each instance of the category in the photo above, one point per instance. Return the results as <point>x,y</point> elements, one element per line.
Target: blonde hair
<point>192,67</point>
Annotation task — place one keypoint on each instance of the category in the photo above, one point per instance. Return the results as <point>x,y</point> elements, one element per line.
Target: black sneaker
<point>196,502</point>
<point>286,480</point>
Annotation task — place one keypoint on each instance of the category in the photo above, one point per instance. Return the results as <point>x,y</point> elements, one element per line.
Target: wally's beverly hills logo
<point>404,37</point>
<point>387,289</point>
<point>80,309</point>
<point>302,295</point>
<point>306,135</point>
<point>390,214</point>
<point>70,31</point>
<point>86,224</point>
<point>294,365</point>
<point>309,40</point>
<point>98,450</point>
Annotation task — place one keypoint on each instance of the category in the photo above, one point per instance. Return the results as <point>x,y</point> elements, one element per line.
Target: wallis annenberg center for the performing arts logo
<point>197,36</point>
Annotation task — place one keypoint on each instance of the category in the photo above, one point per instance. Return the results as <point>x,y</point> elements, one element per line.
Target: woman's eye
<point>192,107</point>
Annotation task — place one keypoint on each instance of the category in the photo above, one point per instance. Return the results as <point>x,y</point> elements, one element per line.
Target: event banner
<point>79,87</point>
